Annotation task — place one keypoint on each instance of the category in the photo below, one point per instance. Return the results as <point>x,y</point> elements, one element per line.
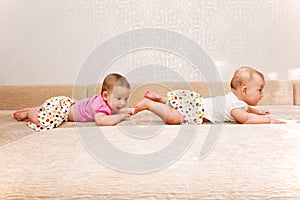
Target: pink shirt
<point>86,109</point>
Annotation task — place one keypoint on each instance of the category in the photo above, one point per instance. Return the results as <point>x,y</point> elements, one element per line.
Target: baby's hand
<point>124,114</point>
<point>274,121</point>
<point>127,112</point>
<point>131,111</point>
<point>263,112</point>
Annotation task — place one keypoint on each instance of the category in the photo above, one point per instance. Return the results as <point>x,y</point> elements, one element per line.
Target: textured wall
<point>46,42</point>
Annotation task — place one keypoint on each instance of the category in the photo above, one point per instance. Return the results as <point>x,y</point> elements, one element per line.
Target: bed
<point>210,161</point>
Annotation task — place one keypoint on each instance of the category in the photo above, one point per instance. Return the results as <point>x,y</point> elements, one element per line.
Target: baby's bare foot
<point>152,95</point>
<point>21,115</point>
<point>142,105</point>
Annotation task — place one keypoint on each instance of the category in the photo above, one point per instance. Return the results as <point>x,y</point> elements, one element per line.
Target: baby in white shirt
<point>184,106</point>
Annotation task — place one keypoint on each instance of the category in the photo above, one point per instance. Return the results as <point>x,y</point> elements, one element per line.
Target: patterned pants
<point>189,104</point>
<point>52,113</point>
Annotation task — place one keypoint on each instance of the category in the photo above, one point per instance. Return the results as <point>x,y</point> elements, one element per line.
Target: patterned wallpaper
<point>47,42</point>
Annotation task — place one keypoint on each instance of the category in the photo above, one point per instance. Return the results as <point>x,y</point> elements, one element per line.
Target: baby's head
<point>243,75</point>
<point>115,91</point>
<point>248,83</point>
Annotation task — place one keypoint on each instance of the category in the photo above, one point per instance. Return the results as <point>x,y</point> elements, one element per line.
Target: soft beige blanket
<point>242,161</point>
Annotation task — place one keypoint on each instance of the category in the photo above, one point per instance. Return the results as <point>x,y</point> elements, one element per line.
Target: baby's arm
<point>245,117</point>
<point>259,112</point>
<point>102,119</point>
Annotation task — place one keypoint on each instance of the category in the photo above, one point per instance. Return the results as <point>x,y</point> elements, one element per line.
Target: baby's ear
<point>244,89</point>
<point>105,95</point>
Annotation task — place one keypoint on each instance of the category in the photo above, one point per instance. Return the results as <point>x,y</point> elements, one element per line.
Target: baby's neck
<point>237,94</point>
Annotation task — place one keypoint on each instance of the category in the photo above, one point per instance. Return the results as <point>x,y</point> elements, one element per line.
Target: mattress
<point>142,158</point>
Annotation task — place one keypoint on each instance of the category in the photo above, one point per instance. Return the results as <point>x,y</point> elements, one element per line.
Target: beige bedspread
<point>243,161</point>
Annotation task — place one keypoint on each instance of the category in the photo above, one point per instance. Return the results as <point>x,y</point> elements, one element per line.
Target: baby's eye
<point>119,99</point>
<point>126,99</point>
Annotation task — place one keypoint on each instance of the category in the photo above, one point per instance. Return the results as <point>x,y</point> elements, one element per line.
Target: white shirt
<point>217,109</point>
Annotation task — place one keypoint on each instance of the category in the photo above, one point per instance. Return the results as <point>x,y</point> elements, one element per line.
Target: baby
<point>184,106</point>
<point>104,109</point>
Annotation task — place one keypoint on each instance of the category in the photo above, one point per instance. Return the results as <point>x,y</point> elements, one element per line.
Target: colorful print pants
<point>189,104</point>
<point>52,113</point>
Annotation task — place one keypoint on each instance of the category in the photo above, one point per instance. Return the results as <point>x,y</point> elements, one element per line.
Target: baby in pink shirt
<point>104,109</point>
<point>86,109</point>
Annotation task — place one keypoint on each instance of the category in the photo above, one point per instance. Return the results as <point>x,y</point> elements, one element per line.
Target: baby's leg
<point>155,97</point>
<point>21,115</point>
<point>168,114</point>
<point>32,115</point>
<point>27,113</point>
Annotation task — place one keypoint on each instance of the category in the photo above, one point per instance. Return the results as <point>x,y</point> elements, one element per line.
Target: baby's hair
<point>113,80</point>
<point>243,75</point>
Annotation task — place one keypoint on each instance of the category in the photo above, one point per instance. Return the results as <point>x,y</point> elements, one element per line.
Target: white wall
<point>47,41</point>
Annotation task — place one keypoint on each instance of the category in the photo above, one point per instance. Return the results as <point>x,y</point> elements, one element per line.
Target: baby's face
<point>254,91</point>
<point>118,98</point>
